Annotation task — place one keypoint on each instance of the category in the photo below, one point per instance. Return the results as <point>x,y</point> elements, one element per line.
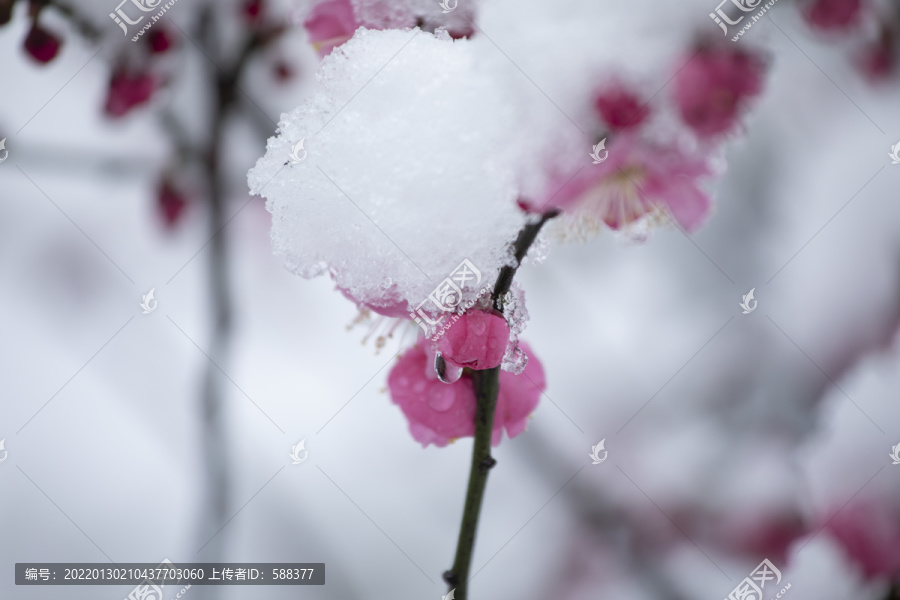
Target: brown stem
<point>486,384</point>
<point>226,89</point>
<point>893,592</point>
<point>523,242</point>
<point>84,26</point>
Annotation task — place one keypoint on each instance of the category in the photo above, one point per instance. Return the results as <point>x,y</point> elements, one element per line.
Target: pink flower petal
<point>330,24</point>
<point>439,412</point>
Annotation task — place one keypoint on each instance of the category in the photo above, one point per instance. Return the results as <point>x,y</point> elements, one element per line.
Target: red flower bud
<point>171,203</point>
<point>128,90</point>
<point>159,40</point>
<point>620,108</point>
<point>42,44</point>
<point>253,9</point>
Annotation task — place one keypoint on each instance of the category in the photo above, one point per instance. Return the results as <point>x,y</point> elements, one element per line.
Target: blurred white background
<point>722,428</point>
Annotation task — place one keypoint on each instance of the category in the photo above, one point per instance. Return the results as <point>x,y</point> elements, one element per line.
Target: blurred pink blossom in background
<point>330,24</point>
<point>715,85</point>
<point>868,530</point>
<point>638,179</point>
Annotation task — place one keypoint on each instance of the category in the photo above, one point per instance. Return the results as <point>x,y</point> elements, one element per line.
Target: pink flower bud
<point>713,87</point>
<point>833,15</point>
<point>128,90</point>
<point>620,108</point>
<point>477,340</point>
<point>878,60</point>
<point>171,202</point>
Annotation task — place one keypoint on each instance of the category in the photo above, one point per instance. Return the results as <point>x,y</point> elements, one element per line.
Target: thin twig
<point>226,88</point>
<point>523,242</point>
<point>486,384</point>
<point>84,26</point>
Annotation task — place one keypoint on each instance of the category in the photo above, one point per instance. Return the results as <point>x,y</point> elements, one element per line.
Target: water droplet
<point>446,372</point>
<point>515,360</point>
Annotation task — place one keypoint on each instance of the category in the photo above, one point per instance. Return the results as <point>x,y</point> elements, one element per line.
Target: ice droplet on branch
<point>516,315</point>
<point>446,372</point>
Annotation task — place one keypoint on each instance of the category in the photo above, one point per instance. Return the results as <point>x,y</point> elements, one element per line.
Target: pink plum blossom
<point>620,107</point>
<point>438,413</point>
<point>832,15</point>
<point>477,340</point>
<point>869,532</point>
<point>330,24</point>
<point>713,87</point>
<point>636,180</point>
<point>518,396</point>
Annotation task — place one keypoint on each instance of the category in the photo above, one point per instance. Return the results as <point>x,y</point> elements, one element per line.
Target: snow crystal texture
<point>409,168</point>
